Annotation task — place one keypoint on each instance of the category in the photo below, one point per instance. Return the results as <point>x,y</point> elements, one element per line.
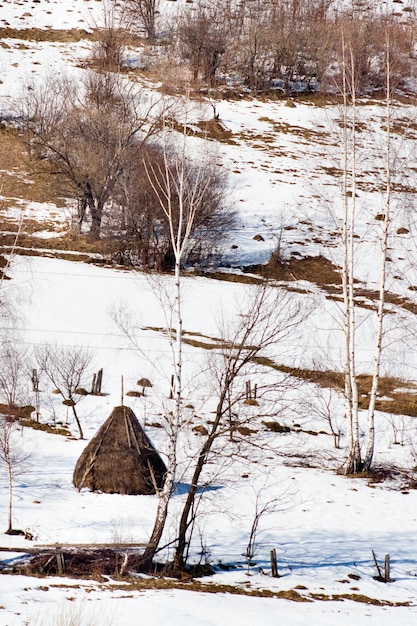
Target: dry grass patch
<point>48,428</point>
<point>245,279</point>
<point>22,414</point>
<point>187,584</point>
<point>56,254</point>
<point>12,151</point>
<point>72,35</point>
<point>206,129</point>
<point>396,396</point>
<point>70,245</point>
<point>214,129</point>
<point>326,275</point>
<point>197,340</point>
<point>307,134</point>
<point>196,585</point>
<point>316,269</point>
<point>17,412</point>
<point>20,177</point>
<point>357,597</point>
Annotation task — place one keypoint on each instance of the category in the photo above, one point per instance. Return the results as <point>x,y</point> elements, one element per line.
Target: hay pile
<point>120,458</point>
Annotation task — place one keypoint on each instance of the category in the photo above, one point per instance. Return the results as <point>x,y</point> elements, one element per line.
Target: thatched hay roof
<point>120,458</point>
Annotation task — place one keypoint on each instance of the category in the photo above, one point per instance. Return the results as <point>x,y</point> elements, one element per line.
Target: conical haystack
<point>120,458</point>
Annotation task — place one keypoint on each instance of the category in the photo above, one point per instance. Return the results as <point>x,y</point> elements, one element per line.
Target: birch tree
<point>384,239</point>
<point>354,463</point>
<point>357,459</point>
<point>12,374</point>
<point>180,190</point>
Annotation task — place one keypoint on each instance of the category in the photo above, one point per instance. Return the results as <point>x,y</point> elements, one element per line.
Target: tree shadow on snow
<point>182,489</point>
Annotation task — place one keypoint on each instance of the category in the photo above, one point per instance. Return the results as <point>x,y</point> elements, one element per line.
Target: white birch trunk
<point>354,462</point>
<point>10,481</point>
<point>370,446</point>
<point>187,193</point>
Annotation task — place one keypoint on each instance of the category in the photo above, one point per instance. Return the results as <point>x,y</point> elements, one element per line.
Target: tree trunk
<point>96,212</point>
<point>96,206</point>
<point>10,512</point>
<point>354,460</point>
<point>369,452</point>
<point>150,26</point>
<point>80,430</point>
<point>174,425</point>
<point>147,557</point>
<point>186,519</point>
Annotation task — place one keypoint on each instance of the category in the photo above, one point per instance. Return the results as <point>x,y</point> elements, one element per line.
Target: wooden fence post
<point>60,563</point>
<point>387,567</point>
<point>35,383</point>
<point>97,382</point>
<point>274,564</point>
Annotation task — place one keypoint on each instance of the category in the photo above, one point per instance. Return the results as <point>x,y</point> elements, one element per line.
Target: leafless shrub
<point>264,319</point>
<point>264,505</point>
<point>324,404</point>
<point>112,37</point>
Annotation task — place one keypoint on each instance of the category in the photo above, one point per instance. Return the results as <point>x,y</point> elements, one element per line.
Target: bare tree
<point>248,52</point>
<point>67,368</point>
<point>366,34</point>
<point>203,34</point>
<point>294,45</point>
<point>12,374</point>
<point>180,192</point>
<point>143,14</point>
<point>324,404</point>
<point>289,42</point>
<point>87,132</point>
<point>13,458</point>
<point>356,462</point>
<point>384,241</point>
<point>269,316</point>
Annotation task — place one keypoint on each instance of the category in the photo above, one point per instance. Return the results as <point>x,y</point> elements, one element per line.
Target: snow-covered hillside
<point>284,164</point>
